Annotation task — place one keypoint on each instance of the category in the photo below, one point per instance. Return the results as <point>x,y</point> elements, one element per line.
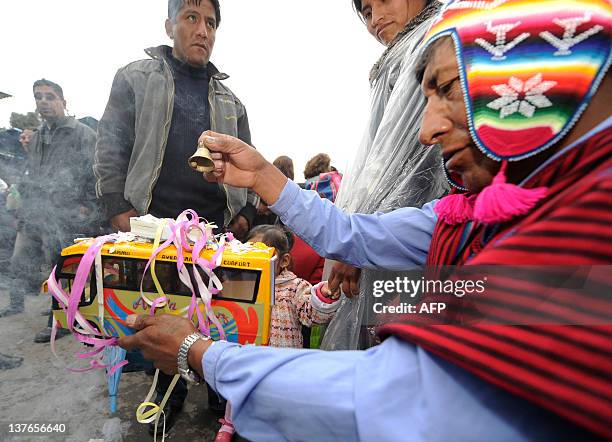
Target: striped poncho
<point>564,368</point>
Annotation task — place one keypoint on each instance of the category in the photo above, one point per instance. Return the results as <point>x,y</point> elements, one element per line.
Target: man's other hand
<point>346,278</point>
<point>121,222</point>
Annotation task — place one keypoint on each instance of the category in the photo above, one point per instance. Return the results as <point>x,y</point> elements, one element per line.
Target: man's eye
<point>211,24</point>
<point>191,18</point>
<point>447,89</point>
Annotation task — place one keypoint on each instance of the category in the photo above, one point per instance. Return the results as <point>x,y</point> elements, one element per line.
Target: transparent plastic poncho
<point>391,169</point>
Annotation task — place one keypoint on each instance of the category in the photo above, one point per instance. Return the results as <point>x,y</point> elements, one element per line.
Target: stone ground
<point>42,390</point>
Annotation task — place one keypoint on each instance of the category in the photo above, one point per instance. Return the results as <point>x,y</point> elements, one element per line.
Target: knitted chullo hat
<point>528,70</point>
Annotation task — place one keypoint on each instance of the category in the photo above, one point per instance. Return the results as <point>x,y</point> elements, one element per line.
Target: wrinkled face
<point>49,104</point>
<point>194,32</point>
<point>445,122</point>
<point>25,138</point>
<point>386,18</point>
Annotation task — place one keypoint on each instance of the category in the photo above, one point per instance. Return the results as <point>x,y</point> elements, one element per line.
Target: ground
<point>42,390</point>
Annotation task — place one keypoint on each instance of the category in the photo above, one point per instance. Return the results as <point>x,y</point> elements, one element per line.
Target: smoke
<point>112,430</point>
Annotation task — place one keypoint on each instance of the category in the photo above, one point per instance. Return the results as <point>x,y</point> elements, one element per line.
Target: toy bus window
<point>114,273</point>
<point>66,278</point>
<point>238,284</point>
<point>167,275</point>
<point>70,265</point>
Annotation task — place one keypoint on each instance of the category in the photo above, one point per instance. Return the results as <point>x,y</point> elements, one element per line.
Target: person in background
<point>285,165</point>
<point>392,168</point>
<point>7,362</point>
<point>324,179</point>
<point>264,215</point>
<point>307,264</point>
<point>57,187</point>
<point>9,213</point>
<point>297,304</point>
<point>320,163</point>
<point>156,110</point>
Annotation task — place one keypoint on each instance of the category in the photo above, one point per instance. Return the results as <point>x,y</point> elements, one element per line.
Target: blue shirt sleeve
<point>391,392</point>
<point>396,240</point>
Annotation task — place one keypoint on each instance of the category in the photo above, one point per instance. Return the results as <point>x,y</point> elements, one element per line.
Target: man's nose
<point>203,29</point>
<point>377,15</point>
<point>434,125</point>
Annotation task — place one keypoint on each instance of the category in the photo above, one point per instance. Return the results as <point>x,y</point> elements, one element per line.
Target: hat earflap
<point>496,203</point>
<point>502,201</point>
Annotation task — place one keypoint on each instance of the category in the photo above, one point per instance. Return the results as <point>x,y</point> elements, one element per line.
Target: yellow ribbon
<point>148,411</point>
<point>160,290</point>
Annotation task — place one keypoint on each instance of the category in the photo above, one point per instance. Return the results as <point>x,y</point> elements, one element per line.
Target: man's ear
<point>169,29</point>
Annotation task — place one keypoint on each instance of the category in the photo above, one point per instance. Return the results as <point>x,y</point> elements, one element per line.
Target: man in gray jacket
<point>155,114</point>
<point>58,200</point>
<point>156,111</point>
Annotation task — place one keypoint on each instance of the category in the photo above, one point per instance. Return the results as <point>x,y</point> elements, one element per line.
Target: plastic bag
<point>391,170</point>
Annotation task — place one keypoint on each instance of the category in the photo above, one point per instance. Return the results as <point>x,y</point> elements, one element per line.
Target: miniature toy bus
<point>243,306</point>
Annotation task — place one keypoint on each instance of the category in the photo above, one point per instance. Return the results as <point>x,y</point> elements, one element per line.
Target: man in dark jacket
<point>156,111</point>
<point>58,201</point>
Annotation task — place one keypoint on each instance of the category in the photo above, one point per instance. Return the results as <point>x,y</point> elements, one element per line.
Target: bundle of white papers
<point>146,226</point>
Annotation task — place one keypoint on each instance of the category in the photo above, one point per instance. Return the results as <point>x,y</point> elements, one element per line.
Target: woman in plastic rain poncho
<point>391,168</point>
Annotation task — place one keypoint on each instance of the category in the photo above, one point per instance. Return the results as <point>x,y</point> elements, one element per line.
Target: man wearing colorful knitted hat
<point>517,97</point>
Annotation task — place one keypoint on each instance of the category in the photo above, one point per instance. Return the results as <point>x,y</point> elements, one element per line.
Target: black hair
<point>272,236</point>
<point>174,7</point>
<point>56,87</point>
<point>358,5</point>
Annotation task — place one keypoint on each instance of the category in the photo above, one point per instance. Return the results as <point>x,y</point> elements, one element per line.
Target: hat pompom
<point>455,209</point>
<point>501,201</point>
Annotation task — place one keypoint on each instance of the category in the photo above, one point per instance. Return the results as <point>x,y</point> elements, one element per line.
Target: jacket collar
<point>159,53</point>
<point>67,122</point>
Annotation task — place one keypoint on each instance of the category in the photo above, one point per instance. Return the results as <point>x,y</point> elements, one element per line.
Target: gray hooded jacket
<point>133,134</point>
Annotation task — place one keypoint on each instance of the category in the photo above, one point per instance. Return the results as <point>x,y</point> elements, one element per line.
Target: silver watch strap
<point>181,360</point>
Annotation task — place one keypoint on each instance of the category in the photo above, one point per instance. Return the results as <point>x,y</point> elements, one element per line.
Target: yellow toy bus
<point>243,306</point>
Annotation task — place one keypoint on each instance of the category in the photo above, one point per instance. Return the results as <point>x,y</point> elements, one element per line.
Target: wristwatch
<point>181,360</point>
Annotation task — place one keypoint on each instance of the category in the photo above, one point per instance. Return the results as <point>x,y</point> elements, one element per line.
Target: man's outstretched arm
<point>396,240</point>
<point>394,391</point>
